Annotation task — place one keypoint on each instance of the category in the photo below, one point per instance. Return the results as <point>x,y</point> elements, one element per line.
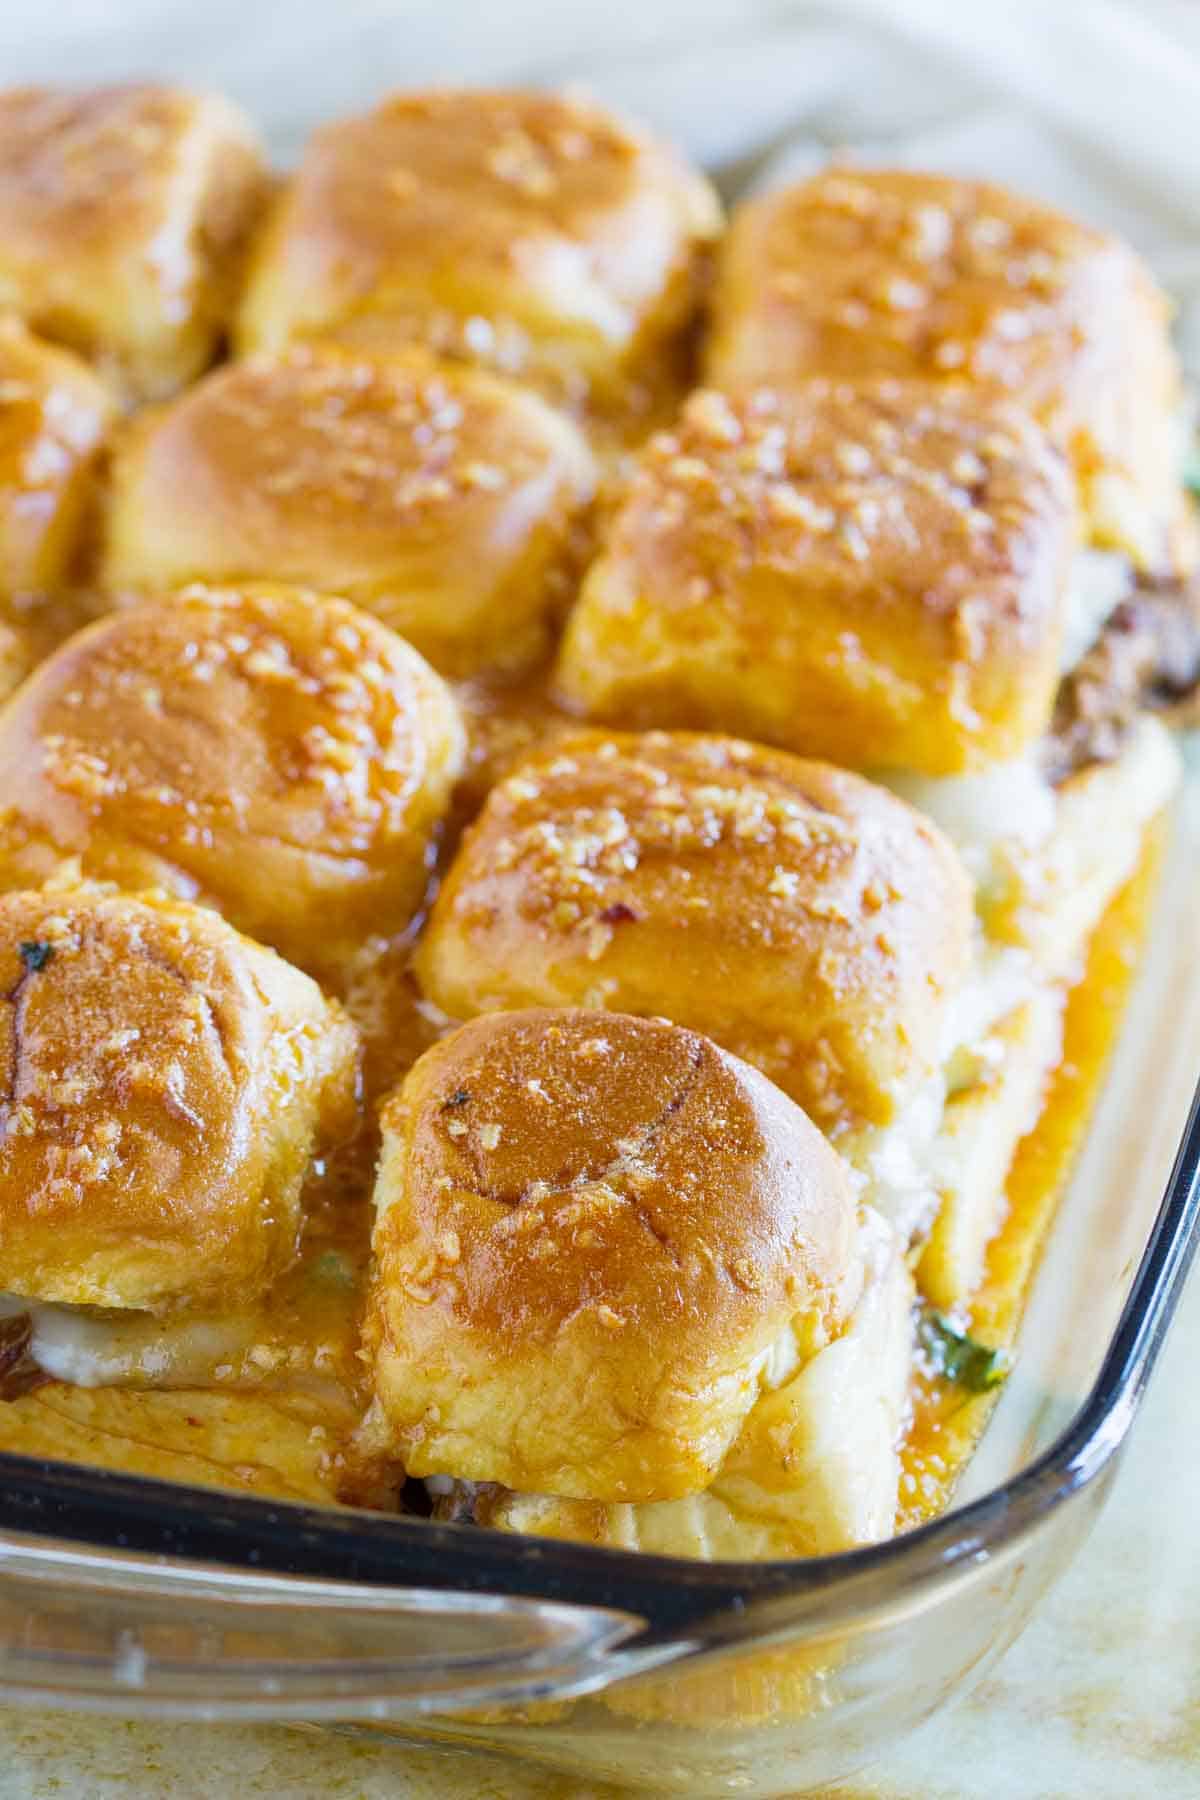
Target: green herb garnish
<point>333,1269</point>
<point>961,1358</point>
<point>36,956</point>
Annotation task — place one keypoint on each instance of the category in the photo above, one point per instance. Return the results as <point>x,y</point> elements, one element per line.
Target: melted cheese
<point>902,1164</point>
<point>1002,976</point>
<point>1099,581</point>
<point>983,1124</point>
<point>86,1347</point>
<point>1011,803</point>
<point>89,1348</point>
<point>895,1162</point>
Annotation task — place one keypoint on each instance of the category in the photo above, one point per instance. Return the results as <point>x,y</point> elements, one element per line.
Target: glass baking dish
<point>134,1596</point>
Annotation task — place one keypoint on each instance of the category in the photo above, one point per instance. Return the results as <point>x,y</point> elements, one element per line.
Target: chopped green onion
<point>960,1358</point>
<point>36,956</point>
<point>333,1268</point>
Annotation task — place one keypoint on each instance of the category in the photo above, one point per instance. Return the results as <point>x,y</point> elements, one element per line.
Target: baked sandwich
<point>622,1293</point>
<point>547,915</point>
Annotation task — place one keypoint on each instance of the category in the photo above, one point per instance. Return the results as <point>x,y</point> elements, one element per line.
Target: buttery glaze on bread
<point>280,756</point>
<point>806,919</point>
<point>862,272</point>
<point>439,498</point>
<point>54,413</point>
<point>166,1086</point>
<point>530,232</point>
<point>590,1231</point>
<point>872,573</point>
<point>122,215</point>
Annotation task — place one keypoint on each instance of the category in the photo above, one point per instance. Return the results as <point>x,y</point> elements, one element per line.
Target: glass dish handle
<point>99,1630</point>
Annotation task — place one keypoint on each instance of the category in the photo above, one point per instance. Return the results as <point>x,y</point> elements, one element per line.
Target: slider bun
<point>53,416</point>
<point>870,573</point>
<point>122,211</point>
<point>436,497</point>
<point>815,1468</point>
<point>279,756</point>
<point>590,1231</point>
<point>889,272</point>
<point>529,231</point>
<point>807,920</point>
<point>167,1084</point>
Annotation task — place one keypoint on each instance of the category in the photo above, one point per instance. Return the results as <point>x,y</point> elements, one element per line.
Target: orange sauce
<point>946,1422</point>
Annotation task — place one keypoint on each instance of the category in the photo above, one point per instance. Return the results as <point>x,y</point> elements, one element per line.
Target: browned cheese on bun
<point>282,757</point>
<point>590,1231</point>
<point>166,1085</point>
<point>437,497</point>
<point>806,919</point>
<point>123,212</point>
<point>871,573</point>
<point>531,232</point>
<point>891,272</point>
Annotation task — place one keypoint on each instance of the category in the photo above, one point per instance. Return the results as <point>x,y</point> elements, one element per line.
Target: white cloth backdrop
<point>1092,103</point>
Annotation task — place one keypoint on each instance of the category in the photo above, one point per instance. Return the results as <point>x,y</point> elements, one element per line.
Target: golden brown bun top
<point>873,572</point>
<point>117,207</point>
<point>424,491</point>
<point>898,272</point>
<point>282,756</point>
<point>806,919</point>
<point>514,215</point>
<point>894,272</point>
<point>54,413</point>
<point>87,168</point>
<point>589,1229</point>
<point>165,1082</point>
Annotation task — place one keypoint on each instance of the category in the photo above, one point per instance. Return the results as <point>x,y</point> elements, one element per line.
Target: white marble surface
<point>1102,1695</point>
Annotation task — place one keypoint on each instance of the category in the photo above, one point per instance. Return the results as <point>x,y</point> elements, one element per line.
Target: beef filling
<point>1146,658</point>
<point>18,1371</point>
<point>466,1502</point>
